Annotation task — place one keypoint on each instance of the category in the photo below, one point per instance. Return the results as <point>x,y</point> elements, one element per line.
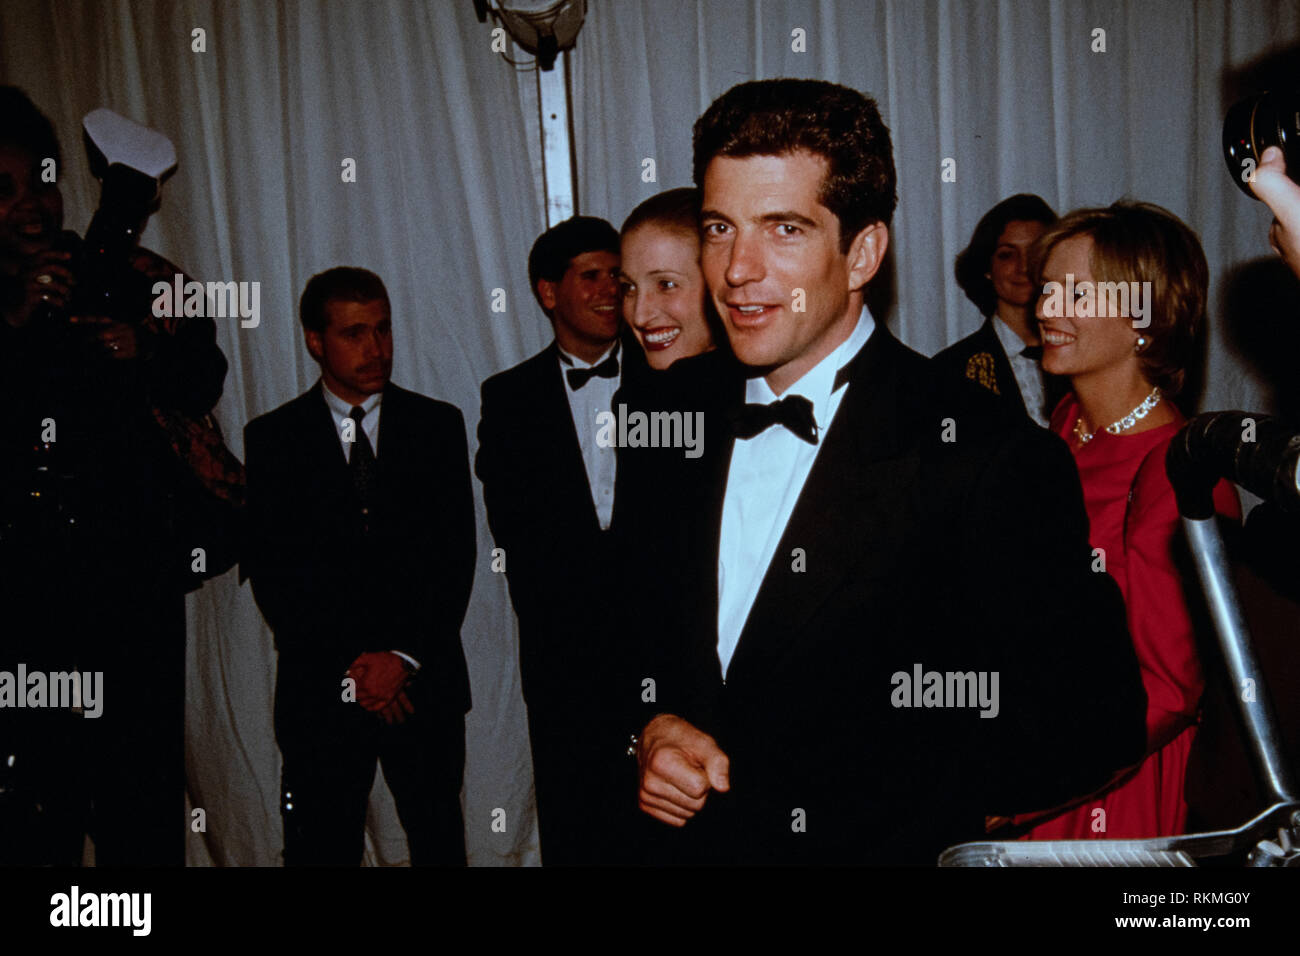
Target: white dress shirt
<point>766,475</point>
<point>585,403</point>
<point>1028,373</point>
<point>341,411</point>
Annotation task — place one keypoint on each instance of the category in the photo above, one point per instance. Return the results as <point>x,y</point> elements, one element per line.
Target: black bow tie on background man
<point>579,377</point>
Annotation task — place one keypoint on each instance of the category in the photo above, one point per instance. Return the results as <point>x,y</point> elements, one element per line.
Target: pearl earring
<point>1140,344</point>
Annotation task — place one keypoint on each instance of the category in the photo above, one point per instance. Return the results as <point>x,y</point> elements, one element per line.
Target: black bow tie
<point>794,412</point>
<point>1034,352</point>
<point>579,377</point>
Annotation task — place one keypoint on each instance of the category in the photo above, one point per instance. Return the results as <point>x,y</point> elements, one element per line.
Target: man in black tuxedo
<point>361,549</point>
<point>847,534</point>
<point>548,485</point>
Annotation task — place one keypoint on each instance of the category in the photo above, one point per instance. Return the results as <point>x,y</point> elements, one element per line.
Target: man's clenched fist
<point>680,764</point>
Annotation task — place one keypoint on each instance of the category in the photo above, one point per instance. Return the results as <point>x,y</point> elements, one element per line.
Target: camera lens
<point>1255,124</point>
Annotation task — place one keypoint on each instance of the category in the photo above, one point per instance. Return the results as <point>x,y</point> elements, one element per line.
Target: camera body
<point>1256,123</point>
<point>105,282</point>
<point>130,161</point>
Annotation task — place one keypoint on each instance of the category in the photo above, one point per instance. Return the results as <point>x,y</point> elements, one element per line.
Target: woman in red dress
<point>1126,356</point>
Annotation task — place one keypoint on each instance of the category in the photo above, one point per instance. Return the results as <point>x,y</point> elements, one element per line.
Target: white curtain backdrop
<point>1009,89</point>
<point>447,202</point>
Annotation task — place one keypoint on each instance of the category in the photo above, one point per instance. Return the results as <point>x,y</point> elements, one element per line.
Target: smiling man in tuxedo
<point>361,548</point>
<point>549,490</point>
<point>852,519</point>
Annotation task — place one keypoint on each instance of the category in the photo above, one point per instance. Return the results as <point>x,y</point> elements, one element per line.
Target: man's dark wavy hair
<point>839,124</point>
<point>557,247</point>
<point>340,284</point>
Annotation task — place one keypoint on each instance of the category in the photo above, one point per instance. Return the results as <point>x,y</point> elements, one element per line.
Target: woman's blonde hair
<point>1142,242</point>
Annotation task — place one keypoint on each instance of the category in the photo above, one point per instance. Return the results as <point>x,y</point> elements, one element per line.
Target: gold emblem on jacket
<point>979,368</point>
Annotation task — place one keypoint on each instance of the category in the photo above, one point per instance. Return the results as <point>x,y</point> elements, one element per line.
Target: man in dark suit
<point>361,553</point>
<point>844,671</point>
<point>548,485</point>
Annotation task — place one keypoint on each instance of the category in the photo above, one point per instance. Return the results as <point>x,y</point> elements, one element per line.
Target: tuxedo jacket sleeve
<point>278,540</point>
<point>429,570</point>
<point>535,489</point>
<point>514,464</point>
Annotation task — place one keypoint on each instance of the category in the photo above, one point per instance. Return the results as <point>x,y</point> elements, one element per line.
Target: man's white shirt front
<point>341,411</point>
<point>1028,373</point>
<point>766,476</point>
<point>585,403</point>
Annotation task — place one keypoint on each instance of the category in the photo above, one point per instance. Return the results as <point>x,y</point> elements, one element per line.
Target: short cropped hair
<point>674,209</point>
<point>973,262</point>
<point>25,127</point>
<point>558,246</point>
<point>1142,242</point>
<point>838,124</point>
<point>340,284</point>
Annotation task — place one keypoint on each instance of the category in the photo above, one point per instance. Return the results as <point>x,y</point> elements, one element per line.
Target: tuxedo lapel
<point>330,487</point>
<point>555,418</point>
<point>395,445</point>
<point>849,518</point>
<point>720,437</point>
<point>323,440</point>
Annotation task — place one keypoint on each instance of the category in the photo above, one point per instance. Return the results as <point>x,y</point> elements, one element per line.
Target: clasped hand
<point>381,678</point>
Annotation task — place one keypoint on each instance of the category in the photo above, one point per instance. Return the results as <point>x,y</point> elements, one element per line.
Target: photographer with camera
<point>93,390</point>
<point>1260,134</point>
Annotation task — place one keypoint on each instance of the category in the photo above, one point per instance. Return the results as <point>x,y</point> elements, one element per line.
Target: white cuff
<point>408,658</point>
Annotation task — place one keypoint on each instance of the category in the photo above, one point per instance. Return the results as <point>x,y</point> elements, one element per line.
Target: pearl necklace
<point>1125,423</point>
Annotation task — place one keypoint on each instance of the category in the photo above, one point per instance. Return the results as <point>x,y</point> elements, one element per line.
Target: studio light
<point>542,27</point>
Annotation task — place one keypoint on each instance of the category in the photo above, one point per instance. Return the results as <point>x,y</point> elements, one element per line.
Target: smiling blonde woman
<point>1118,420</point>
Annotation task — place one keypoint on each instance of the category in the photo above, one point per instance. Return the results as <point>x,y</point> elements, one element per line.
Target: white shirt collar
<point>1012,344</point>
<point>344,409</point>
<point>818,383</point>
<point>575,362</point>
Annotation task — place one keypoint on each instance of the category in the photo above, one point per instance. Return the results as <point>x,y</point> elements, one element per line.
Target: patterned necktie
<point>794,412</point>
<point>579,377</point>
<point>362,463</point>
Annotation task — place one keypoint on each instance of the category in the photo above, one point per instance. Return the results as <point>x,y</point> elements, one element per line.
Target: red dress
<point>1134,520</point>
